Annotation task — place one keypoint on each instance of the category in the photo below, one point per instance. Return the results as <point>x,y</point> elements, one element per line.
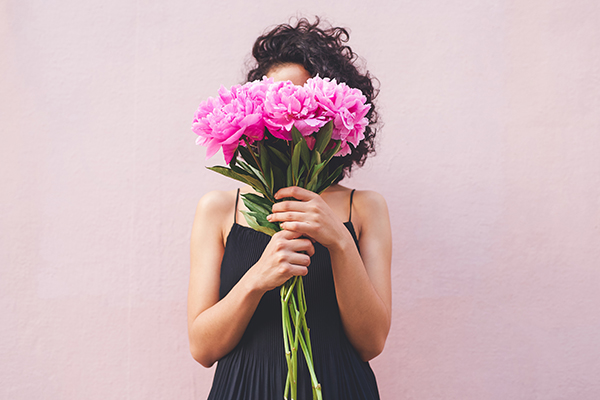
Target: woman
<point>234,312</point>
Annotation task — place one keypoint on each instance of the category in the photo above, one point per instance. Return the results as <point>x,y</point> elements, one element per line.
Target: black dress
<point>256,368</point>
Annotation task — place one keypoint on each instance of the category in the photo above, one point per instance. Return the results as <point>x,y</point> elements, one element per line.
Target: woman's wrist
<point>252,284</point>
<point>344,243</point>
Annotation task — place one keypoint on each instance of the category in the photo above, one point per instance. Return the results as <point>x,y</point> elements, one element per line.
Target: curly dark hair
<point>321,51</point>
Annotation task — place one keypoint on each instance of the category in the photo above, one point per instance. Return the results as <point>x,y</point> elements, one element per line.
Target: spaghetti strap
<point>350,214</point>
<point>237,198</point>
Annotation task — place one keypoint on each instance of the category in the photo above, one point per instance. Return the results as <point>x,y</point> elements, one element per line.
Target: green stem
<point>253,155</point>
<point>286,328</point>
<point>293,305</point>
<point>295,364</point>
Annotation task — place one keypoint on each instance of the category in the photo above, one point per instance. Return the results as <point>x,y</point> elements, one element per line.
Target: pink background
<point>489,160</point>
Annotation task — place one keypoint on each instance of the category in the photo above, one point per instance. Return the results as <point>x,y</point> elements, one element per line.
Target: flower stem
<point>293,312</point>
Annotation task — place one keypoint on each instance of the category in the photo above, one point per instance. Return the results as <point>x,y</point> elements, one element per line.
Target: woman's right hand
<point>286,255</point>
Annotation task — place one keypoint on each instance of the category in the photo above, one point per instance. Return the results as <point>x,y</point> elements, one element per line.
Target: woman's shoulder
<point>216,208</point>
<point>361,198</point>
<point>369,209</point>
<point>369,199</point>
<point>217,201</point>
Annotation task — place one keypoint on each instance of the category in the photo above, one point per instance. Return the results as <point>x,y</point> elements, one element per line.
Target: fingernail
<point>269,217</point>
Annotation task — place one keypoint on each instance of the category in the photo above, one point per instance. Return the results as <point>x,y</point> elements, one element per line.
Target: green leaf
<point>296,162</point>
<point>316,158</point>
<point>258,176</point>
<point>249,171</point>
<point>266,165</point>
<point>279,180</point>
<point>318,169</point>
<point>254,198</point>
<point>254,225</point>
<point>255,183</point>
<point>288,181</point>
<point>256,208</point>
<point>243,169</point>
<point>301,172</point>
<point>323,137</point>
<point>234,175</point>
<point>261,219</point>
<point>296,136</point>
<point>305,152</point>
<point>331,152</point>
<point>246,154</point>
<point>282,157</point>
<point>330,179</point>
<point>312,185</point>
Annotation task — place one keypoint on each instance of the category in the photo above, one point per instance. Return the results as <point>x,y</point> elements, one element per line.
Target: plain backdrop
<point>489,160</point>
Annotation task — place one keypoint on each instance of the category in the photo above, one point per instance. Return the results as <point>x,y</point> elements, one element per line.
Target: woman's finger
<point>296,192</point>
<point>284,216</point>
<point>302,245</point>
<point>299,259</point>
<point>287,235</point>
<point>298,270</point>
<point>290,205</point>
<point>300,228</point>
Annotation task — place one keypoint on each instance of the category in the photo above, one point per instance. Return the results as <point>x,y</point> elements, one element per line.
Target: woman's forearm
<point>218,329</point>
<point>365,316</point>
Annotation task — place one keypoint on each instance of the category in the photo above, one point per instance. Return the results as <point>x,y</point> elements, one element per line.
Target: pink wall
<point>490,161</point>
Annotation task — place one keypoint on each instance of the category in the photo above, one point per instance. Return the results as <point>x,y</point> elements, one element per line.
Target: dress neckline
<point>347,224</point>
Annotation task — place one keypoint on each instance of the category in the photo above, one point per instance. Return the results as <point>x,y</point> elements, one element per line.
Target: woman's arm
<point>362,280</point>
<point>216,326</point>
<point>366,318</point>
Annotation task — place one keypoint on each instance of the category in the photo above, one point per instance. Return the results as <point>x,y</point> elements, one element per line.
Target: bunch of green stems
<point>296,333</point>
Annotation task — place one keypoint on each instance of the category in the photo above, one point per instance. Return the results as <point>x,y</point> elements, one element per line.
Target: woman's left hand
<point>310,215</point>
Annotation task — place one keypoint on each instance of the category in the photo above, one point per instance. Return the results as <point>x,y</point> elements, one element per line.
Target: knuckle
<point>283,270</point>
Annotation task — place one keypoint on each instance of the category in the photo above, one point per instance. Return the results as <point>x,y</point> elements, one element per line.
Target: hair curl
<point>321,51</point>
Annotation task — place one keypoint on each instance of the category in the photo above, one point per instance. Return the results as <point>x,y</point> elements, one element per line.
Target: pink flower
<point>288,105</point>
<point>345,106</point>
<point>237,112</point>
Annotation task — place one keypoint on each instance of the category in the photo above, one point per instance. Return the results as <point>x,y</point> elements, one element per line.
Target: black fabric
<point>256,369</point>
<point>349,214</point>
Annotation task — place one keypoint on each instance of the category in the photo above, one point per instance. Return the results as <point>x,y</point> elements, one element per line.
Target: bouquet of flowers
<point>274,135</point>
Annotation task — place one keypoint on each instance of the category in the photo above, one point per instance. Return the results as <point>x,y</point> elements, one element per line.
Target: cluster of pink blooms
<point>244,111</point>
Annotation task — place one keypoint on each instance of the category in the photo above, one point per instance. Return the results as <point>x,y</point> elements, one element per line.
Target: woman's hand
<point>310,216</point>
<point>285,256</point>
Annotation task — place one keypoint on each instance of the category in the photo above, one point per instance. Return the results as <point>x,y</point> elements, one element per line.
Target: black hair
<point>321,51</point>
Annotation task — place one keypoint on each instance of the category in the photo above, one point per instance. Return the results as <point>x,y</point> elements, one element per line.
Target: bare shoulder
<point>214,212</point>
<point>370,209</point>
<point>369,203</point>
<point>369,197</point>
<point>216,201</point>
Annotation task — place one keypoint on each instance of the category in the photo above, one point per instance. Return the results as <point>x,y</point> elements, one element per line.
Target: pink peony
<point>288,105</point>
<point>345,106</point>
<point>238,112</point>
